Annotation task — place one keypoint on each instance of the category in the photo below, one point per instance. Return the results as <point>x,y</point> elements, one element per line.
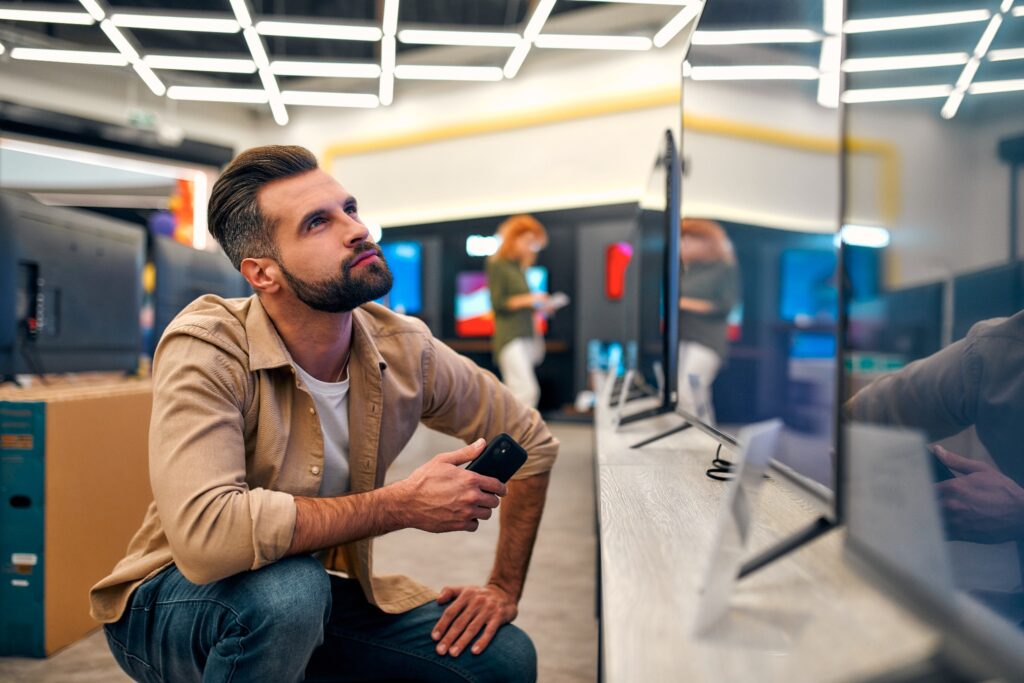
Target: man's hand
<point>441,496</point>
<point>475,608</point>
<point>982,505</point>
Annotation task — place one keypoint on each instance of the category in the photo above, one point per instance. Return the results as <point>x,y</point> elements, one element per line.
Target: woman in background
<point>516,348</point>
<point>708,290</point>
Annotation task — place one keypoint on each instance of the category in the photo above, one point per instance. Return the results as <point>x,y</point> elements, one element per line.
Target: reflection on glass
<point>933,155</point>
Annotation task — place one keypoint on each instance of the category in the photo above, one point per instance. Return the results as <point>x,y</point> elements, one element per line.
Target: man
<point>274,421</point>
<point>977,381</point>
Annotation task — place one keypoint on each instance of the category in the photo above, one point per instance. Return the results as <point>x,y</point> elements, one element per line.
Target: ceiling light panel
<point>176,23</point>
<point>467,38</point>
<point>296,29</point>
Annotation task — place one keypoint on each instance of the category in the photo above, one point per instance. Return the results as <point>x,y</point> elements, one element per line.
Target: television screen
<point>406,262</point>
<point>474,316</point>
<point>70,289</point>
<point>183,274</point>
<point>808,288</point>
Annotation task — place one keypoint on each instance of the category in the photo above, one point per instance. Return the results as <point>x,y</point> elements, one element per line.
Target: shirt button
<point>315,469</point>
<point>312,411</point>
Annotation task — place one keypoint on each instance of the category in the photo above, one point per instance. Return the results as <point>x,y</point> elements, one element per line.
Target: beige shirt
<point>234,435</point>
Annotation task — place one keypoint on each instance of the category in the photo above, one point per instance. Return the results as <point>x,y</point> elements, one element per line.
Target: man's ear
<point>263,274</point>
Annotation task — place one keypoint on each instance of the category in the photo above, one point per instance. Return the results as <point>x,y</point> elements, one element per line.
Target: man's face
<point>325,252</point>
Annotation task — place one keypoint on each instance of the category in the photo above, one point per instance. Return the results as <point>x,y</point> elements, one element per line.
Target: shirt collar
<point>267,349</point>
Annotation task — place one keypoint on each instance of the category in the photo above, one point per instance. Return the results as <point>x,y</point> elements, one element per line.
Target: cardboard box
<point>74,486</point>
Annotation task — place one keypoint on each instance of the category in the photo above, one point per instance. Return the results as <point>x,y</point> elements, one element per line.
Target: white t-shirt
<point>331,400</point>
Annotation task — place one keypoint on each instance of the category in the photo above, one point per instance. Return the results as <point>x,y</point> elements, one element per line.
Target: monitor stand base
<point>818,527</point>
<point>659,437</point>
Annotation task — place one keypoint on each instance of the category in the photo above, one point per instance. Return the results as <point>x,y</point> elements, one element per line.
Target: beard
<point>348,290</point>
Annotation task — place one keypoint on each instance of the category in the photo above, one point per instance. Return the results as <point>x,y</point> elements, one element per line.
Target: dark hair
<point>234,213</point>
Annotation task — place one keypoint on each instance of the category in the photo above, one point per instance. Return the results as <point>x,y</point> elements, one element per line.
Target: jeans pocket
<point>136,668</point>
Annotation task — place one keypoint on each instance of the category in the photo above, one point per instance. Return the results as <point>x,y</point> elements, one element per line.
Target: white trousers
<point>516,362</point>
<point>698,367</point>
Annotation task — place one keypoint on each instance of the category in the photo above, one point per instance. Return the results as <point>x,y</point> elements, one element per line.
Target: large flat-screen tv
<point>405,259</point>
<point>474,315</point>
<point>70,289</point>
<point>996,292</point>
<point>183,274</point>
<point>656,280</point>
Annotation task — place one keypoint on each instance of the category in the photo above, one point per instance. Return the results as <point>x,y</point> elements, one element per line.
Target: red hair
<point>710,231</point>
<point>516,226</point>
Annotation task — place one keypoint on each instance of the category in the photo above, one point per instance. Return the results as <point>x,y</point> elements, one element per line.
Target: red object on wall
<point>616,258</point>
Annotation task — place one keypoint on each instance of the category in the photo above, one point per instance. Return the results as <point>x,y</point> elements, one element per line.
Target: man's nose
<point>354,233</point>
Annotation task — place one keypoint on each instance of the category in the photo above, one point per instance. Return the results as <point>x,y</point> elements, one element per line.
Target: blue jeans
<point>291,621</point>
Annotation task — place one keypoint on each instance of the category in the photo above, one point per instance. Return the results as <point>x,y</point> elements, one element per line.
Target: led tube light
<point>447,73</point>
<point>295,29</point>
<point>580,42</point>
<point>325,69</point>
<point>176,23</point>
<point>915,21</point>
<point>215,64</point>
<point>69,56</point>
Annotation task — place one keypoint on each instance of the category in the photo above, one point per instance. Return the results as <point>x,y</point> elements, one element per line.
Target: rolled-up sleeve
<point>465,401</point>
<point>937,394</point>
<point>215,524</point>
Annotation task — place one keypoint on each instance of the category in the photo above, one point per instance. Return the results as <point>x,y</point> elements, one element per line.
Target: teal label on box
<point>22,527</point>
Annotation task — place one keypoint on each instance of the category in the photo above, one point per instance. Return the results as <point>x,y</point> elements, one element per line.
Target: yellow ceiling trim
<point>888,179</point>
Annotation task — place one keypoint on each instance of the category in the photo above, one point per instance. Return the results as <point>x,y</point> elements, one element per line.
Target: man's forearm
<point>326,522</point>
<point>521,511</point>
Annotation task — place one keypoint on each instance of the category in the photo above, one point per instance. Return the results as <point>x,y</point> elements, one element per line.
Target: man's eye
<point>352,210</point>
<point>316,222</point>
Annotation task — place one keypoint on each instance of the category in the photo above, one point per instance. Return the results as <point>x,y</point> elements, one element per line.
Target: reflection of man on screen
<point>977,381</point>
